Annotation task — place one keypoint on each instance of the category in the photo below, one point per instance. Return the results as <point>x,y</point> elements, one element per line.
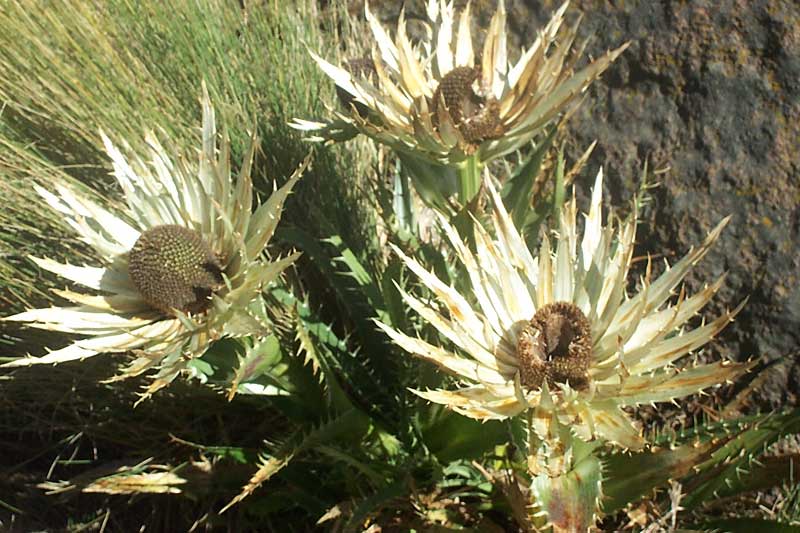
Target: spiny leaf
<point>631,477</point>
<point>712,457</point>
<point>395,307</point>
<point>355,270</point>
<point>546,206</point>
<point>234,453</point>
<point>307,349</point>
<point>517,190</point>
<point>142,478</point>
<point>258,360</point>
<point>374,503</point>
<point>451,436</point>
<point>330,385</point>
<point>351,424</point>
<point>268,467</point>
<point>348,292</point>
<point>732,461</point>
<point>762,474</point>
<point>322,332</point>
<point>317,343</point>
<point>433,182</point>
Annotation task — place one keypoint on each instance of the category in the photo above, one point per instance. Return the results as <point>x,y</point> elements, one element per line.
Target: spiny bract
<point>436,100</point>
<point>181,264</point>
<point>557,334</point>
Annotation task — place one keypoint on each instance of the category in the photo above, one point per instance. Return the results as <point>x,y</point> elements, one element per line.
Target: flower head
<point>181,264</point>
<point>558,334</point>
<point>439,100</point>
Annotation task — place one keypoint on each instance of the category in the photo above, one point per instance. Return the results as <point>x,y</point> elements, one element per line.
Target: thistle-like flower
<point>559,333</point>
<point>181,265</point>
<point>438,101</point>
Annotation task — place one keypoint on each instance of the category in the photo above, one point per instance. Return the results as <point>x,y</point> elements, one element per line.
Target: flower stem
<point>469,179</point>
<point>401,200</point>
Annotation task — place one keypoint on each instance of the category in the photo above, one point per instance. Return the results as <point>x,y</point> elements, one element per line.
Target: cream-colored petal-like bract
<point>192,203</point>
<point>441,99</point>
<point>563,321</point>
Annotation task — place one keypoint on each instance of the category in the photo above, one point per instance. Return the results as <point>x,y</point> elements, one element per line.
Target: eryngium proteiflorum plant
<point>563,319</point>
<point>436,100</point>
<point>181,265</point>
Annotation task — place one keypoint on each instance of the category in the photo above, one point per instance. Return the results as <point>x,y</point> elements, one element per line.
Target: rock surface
<point>712,90</point>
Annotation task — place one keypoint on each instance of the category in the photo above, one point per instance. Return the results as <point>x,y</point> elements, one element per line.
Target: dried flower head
<point>436,100</point>
<point>558,334</point>
<point>181,264</point>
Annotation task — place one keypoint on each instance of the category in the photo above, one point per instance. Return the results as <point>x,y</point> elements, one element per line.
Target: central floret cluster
<point>173,268</point>
<point>474,112</point>
<point>555,346</point>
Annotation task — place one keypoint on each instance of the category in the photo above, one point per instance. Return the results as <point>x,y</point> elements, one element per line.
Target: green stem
<point>404,213</point>
<point>469,179</point>
<point>567,475</point>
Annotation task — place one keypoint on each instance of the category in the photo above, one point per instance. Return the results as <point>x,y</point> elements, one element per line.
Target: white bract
<point>165,198</point>
<point>440,100</point>
<point>557,333</point>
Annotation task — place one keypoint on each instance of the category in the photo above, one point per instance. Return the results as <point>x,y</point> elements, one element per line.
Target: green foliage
<point>312,419</point>
<point>712,459</point>
<point>451,437</point>
<point>518,190</point>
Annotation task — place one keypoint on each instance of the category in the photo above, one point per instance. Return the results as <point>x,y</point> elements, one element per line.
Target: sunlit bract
<point>180,266</point>
<point>558,334</point>
<point>440,99</point>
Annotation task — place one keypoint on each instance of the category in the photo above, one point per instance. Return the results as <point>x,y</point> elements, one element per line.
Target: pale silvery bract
<point>440,99</point>
<point>559,330</point>
<point>196,198</point>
